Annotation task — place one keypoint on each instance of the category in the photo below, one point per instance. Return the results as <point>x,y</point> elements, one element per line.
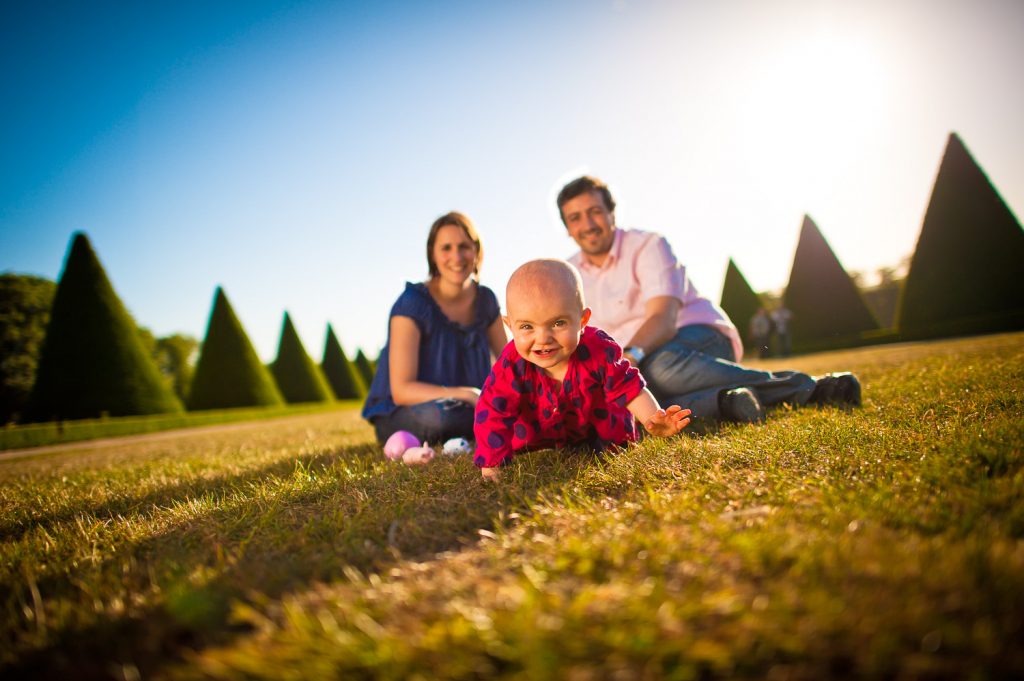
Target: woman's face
<point>454,254</point>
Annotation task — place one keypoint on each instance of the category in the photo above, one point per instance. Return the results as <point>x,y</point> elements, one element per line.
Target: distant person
<point>442,336</point>
<point>560,381</point>
<point>781,318</point>
<point>684,344</point>
<point>761,332</point>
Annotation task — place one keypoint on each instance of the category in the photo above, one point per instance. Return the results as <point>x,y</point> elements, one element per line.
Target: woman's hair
<point>458,220</point>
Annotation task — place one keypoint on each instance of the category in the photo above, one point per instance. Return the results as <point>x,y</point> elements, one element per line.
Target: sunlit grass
<point>886,541</point>
<point>61,432</point>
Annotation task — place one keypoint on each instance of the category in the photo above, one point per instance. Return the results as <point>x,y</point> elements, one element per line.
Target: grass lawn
<point>883,542</point>
<point>62,432</point>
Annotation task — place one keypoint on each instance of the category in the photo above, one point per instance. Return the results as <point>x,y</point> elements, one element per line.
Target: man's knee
<point>665,368</point>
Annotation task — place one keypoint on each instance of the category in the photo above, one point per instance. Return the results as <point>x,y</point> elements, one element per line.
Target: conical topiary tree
<point>343,377</point>
<point>828,309</point>
<point>228,373</point>
<point>364,367</point>
<point>92,361</point>
<point>739,300</point>
<point>297,376</point>
<point>967,273</point>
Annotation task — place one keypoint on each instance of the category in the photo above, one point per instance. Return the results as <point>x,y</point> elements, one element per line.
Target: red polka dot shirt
<point>522,408</point>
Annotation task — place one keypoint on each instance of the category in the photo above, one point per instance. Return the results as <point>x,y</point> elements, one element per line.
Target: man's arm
<point>662,285</point>
<point>660,314</point>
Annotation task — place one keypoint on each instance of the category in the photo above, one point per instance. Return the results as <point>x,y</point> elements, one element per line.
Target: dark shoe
<point>740,405</point>
<point>840,388</point>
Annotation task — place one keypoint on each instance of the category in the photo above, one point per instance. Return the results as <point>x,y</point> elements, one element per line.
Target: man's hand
<point>492,474</point>
<point>666,422</point>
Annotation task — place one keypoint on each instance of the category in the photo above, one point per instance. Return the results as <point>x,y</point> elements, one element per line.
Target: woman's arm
<point>403,359</point>
<point>496,338</point>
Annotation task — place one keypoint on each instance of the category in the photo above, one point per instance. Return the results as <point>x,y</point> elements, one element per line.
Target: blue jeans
<point>693,368</point>
<point>434,421</point>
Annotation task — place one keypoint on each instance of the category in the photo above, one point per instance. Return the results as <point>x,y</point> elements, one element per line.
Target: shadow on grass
<point>365,517</point>
<point>146,503</point>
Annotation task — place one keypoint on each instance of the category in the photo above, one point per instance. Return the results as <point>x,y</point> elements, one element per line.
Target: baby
<point>560,382</point>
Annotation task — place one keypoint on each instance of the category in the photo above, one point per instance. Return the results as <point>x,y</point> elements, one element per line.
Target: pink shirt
<point>521,407</point>
<point>641,266</point>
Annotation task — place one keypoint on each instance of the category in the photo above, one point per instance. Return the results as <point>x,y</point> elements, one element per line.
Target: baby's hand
<point>492,474</point>
<point>666,422</point>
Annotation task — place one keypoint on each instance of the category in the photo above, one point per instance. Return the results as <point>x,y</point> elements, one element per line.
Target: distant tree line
<point>25,303</point>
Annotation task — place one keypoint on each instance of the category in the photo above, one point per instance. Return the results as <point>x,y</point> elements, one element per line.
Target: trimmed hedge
<point>343,377</point>
<point>298,378</point>
<point>739,301</point>
<point>828,309</point>
<point>364,367</point>
<point>229,373</point>
<point>92,361</point>
<point>967,273</point>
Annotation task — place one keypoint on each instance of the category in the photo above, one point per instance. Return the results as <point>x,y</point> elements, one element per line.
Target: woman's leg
<point>432,422</point>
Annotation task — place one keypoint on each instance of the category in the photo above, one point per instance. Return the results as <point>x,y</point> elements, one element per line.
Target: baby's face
<point>546,328</point>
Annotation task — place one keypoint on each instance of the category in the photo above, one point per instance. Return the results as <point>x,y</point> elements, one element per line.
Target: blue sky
<point>296,153</point>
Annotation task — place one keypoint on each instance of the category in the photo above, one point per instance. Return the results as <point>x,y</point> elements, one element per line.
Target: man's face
<point>590,223</point>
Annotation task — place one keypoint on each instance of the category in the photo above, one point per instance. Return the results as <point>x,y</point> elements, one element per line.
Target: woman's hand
<point>465,394</point>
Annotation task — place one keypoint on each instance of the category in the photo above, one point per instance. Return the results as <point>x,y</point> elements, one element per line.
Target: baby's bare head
<point>546,314</point>
<point>545,279</point>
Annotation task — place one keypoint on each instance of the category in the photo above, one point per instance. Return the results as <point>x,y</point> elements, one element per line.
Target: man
<point>781,316</point>
<point>684,344</point>
<point>761,332</point>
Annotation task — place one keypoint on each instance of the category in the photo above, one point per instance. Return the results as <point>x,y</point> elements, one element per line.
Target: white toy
<point>398,443</point>
<point>416,456</point>
<point>457,446</point>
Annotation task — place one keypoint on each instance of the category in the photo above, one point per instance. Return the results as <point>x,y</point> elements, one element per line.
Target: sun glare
<point>817,101</point>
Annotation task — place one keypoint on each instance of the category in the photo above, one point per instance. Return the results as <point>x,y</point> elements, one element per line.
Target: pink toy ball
<point>417,456</point>
<point>398,443</point>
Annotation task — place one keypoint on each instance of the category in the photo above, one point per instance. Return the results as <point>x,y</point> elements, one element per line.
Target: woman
<point>442,337</point>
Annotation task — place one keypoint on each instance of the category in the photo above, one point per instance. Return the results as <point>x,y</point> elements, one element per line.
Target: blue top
<point>451,354</point>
